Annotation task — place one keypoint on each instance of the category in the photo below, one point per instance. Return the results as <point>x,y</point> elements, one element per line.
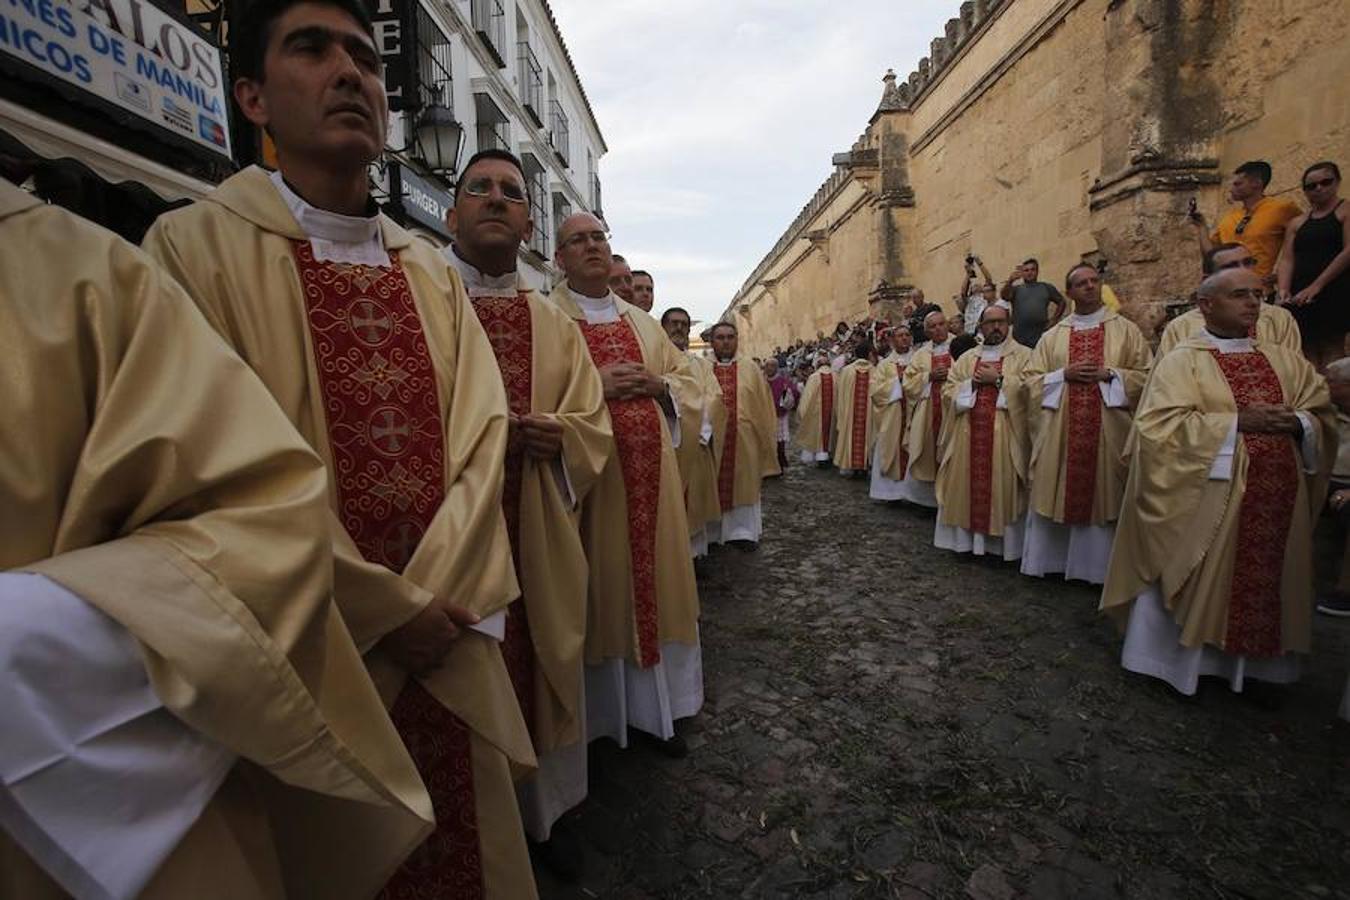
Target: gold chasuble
<point>546,371</point>
<point>747,457</point>
<point>698,457</point>
<point>925,410</point>
<point>1276,325</point>
<point>1228,547</point>
<point>981,483</point>
<point>147,471</point>
<point>857,427</point>
<point>380,368</point>
<point>633,525</point>
<point>1077,456</point>
<point>816,413</point>
<point>892,417</point>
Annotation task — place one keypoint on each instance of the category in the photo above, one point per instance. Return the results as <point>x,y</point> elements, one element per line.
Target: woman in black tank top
<point>1314,271</point>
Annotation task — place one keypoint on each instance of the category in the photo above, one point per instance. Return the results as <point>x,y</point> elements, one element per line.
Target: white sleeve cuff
<point>1052,390</point>
<point>494,626</point>
<point>672,418</point>
<point>1002,400</point>
<point>1222,467</point>
<point>897,391</point>
<point>1113,392</point>
<point>85,735</point>
<point>1308,443</point>
<point>965,396</point>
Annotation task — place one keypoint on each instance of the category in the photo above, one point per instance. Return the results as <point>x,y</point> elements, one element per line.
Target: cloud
<point>721,117</point>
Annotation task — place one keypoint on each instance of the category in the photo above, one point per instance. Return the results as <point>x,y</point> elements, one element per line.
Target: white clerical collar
<point>478,284</point>
<point>1091,320</point>
<point>597,310</point>
<point>354,240</point>
<point>719,361</point>
<point>1229,345</point>
<point>994,352</point>
<point>901,357</point>
<point>944,347</point>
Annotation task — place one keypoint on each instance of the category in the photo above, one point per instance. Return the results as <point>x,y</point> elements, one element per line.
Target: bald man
<point>1211,572</point>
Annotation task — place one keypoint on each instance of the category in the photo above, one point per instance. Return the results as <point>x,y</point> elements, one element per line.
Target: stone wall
<point>1065,130</point>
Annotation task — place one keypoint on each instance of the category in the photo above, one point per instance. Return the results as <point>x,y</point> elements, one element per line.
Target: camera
<point>970,259</point>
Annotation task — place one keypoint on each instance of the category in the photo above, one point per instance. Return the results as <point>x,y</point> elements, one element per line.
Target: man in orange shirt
<point>1257,223</point>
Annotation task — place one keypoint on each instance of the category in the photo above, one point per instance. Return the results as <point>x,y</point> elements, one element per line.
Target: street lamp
<point>439,138</point>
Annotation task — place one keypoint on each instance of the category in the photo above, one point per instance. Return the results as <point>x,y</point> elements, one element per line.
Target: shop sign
<point>128,55</point>
<point>423,201</point>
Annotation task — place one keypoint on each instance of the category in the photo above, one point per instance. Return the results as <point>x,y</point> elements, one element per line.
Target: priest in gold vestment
<point>1212,568</point>
<point>368,342</point>
<point>697,451</point>
<point>856,432</point>
<point>890,457</point>
<point>817,412</point>
<point>1083,382</point>
<point>644,666</point>
<point>560,442</point>
<point>924,380</point>
<point>748,451</point>
<point>164,561</point>
<point>982,481</point>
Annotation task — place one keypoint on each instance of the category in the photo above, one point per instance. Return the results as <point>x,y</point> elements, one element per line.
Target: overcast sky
<point>721,117</point>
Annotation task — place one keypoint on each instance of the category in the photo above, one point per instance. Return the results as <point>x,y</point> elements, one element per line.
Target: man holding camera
<point>974,300</point>
<point>1031,301</point>
<point>1258,222</point>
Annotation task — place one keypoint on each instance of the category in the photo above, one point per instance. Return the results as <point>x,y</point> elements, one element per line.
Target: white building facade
<point>466,75</point>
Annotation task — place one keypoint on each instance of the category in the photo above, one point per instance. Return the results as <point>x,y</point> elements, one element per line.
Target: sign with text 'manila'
<point>126,54</point>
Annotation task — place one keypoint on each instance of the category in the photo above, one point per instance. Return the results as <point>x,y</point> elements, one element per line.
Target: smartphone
<point>1191,211</point>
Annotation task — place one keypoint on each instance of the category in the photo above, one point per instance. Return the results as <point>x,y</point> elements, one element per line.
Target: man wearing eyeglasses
<point>368,342</point>
<point>1211,572</point>
<point>1258,222</point>
<point>1274,324</point>
<point>560,441</point>
<point>644,666</point>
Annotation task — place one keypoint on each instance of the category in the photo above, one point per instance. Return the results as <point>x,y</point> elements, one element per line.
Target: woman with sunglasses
<point>1314,269</point>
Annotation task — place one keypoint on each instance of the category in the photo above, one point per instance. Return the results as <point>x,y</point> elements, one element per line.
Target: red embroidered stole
<point>935,399</point>
<point>1267,510</point>
<point>826,409</point>
<point>637,437</point>
<point>861,400</point>
<point>1084,427</point>
<point>726,475</point>
<point>509,328</point>
<point>386,437</point>
<point>982,454</point>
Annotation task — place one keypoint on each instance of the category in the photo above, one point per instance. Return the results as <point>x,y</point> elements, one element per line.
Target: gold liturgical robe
<point>925,413</point>
<point>697,458</point>
<point>755,456</point>
<point>1181,528</point>
<point>857,428</point>
<point>234,253</point>
<point>817,411</point>
<point>1056,473</point>
<point>157,481</point>
<point>547,371</point>
<point>611,626</point>
<point>891,417</point>
<point>995,489</point>
<point>1276,325</point>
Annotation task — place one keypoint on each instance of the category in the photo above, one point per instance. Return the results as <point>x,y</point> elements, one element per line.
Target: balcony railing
<point>534,184</point>
<point>489,20</point>
<point>531,82</point>
<point>435,85</point>
<point>559,135</point>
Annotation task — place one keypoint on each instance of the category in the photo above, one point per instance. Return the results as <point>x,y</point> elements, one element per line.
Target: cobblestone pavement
<point>888,720</point>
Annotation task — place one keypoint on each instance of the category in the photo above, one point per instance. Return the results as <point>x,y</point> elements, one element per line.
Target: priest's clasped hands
<point>630,381</point>
<point>939,374</point>
<point>986,373</point>
<point>540,436</point>
<point>1269,418</point>
<point>1087,373</point>
<point>422,643</point>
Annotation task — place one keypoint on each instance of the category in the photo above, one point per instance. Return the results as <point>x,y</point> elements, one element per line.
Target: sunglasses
<point>1243,223</point>
<point>1320,183</point>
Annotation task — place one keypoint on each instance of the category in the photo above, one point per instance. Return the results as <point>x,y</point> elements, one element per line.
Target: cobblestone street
<point>888,720</point>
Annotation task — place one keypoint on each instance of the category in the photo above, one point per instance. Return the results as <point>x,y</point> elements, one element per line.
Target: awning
<point>51,139</point>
